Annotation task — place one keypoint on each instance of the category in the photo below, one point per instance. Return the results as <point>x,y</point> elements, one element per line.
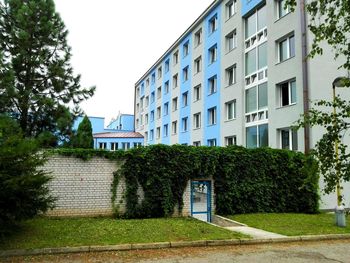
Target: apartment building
<point>238,75</point>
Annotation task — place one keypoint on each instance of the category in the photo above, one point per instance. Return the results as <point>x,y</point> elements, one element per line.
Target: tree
<point>23,185</point>
<point>84,138</point>
<point>36,79</point>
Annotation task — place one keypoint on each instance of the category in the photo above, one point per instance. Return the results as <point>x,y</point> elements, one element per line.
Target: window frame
<point>231,103</point>
<point>212,116</point>
<point>197,121</point>
<point>212,85</point>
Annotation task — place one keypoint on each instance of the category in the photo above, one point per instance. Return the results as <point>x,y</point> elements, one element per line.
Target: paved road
<point>320,252</point>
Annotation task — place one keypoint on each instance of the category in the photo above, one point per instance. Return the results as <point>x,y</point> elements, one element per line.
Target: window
<point>212,84</point>
<point>255,22</point>
<point>137,123</point>
<point>153,78</point>
<point>146,136</point>
<point>213,24</point>
<point>114,146</point>
<point>158,133</point>
<point>231,40</point>
<point>137,107</point>
<point>146,119</point>
<point>288,139</point>
<point>152,97</point>
<point>159,112</point>
<point>213,54</point>
<point>174,127</point>
<point>175,81</point>
<point>176,57</point>
<point>159,72</point>
<point>197,92</point>
<point>197,120</point>
<point>141,103</point>
<point>282,8</point>
<point>151,135</point>
<point>231,8</point>
<point>185,124</point>
<point>175,104</point>
<point>166,87</point>
<point>159,92</point>
<point>230,140</point>
<point>198,65</point>
<point>212,116</point>
<point>230,110</point>
<point>166,109</point>
<point>257,136</point>
<point>198,38</point>
<point>137,144</point>
<point>102,145</point>
<point>166,66</point>
<point>286,48</point>
<point>185,74</point>
<point>147,101</point>
<point>152,116</point>
<point>197,143</point>
<point>125,146</point>
<point>185,99</point>
<point>230,75</point>
<point>186,49</point>
<point>256,98</point>
<point>138,92</point>
<point>256,59</point>
<point>147,82</point>
<point>165,130</point>
<point>287,93</point>
<point>212,142</point>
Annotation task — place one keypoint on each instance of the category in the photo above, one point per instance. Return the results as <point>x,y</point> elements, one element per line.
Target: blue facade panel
<point>97,124</point>
<point>166,99</point>
<point>212,100</point>
<point>249,5</point>
<point>123,122</point>
<point>185,87</point>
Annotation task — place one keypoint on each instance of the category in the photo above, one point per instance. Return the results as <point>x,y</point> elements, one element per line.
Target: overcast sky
<point>115,42</point>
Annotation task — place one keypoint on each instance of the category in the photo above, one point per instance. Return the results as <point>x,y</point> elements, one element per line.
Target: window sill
<point>197,73</point>
<point>287,59</point>
<point>230,120</point>
<point>196,129</point>
<point>228,52</point>
<point>280,18</point>
<point>212,93</point>
<point>230,85</point>
<point>229,18</point>
<point>286,106</point>
<point>211,125</point>
<point>196,100</point>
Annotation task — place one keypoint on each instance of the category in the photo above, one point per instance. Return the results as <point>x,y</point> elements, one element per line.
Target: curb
<point>162,245</point>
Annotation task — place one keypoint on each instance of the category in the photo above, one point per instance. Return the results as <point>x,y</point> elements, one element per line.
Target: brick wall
<point>83,188</point>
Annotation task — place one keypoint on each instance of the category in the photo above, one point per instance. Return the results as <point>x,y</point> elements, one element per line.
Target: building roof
<point>118,135</point>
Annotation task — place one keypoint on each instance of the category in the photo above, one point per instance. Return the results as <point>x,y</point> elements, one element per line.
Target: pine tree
<point>84,138</point>
<point>36,79</point>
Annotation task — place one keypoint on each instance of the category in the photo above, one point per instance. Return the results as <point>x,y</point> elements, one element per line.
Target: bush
<point>23,187</point>
<point>246,180</point>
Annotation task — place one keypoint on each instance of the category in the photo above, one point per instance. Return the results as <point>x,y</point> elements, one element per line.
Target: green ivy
<point>87,154</point>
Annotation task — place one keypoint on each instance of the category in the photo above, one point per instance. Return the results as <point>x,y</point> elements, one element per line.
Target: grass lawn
<point>294,224</point>
<point>45,232</point>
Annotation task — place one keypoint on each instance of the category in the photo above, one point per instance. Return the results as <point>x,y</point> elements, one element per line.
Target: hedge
<point>246,180</point>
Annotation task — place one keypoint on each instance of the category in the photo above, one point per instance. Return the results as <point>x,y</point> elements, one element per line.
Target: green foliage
<point>330,23</point>
<point>246,181</point>
<point>83,138</point>
<point>36,79</point>
<point>23,186</point>
<point>333,166</point>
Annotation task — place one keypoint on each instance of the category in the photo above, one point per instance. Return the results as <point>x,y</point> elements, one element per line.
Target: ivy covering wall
<point>245,180</point>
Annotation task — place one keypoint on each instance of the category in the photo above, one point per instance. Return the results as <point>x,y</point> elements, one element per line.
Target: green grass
<point>294,224</point>
<point>45,232</point>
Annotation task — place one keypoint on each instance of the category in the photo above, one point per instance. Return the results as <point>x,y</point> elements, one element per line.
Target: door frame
<point>208,212</point>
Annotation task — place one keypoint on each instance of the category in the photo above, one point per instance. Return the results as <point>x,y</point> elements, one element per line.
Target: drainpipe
<point>304,51</point>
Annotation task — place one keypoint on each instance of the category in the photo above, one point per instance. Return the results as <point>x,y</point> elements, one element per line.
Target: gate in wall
<point>201,200</point>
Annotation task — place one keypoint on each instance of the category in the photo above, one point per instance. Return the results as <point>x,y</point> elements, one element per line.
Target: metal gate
<point>201,200</point>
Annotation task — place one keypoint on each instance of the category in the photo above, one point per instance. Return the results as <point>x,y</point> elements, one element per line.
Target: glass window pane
<point>262,18</point>
<point>283,50</point>
<point>264,135</point>
<point>262,100</point>
<point>282,11</point>
<point>294,140</point>
<point>285,139</point>
<point>293,92</point>
<point>291,46</point>
<point>250,100</point>
<point>250,62</point>
<point>251,137</point>
<point>250,26</point>
<point>262,55</point>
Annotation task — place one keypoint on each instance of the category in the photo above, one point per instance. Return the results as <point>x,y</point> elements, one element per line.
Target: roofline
<point>119,137</point>
<point>175,44</point>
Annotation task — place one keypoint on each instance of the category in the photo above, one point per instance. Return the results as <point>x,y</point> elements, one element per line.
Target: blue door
<point>201,200</point>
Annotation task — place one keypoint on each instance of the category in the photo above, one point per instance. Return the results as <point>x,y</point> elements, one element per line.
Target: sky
<point>115,42</point>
